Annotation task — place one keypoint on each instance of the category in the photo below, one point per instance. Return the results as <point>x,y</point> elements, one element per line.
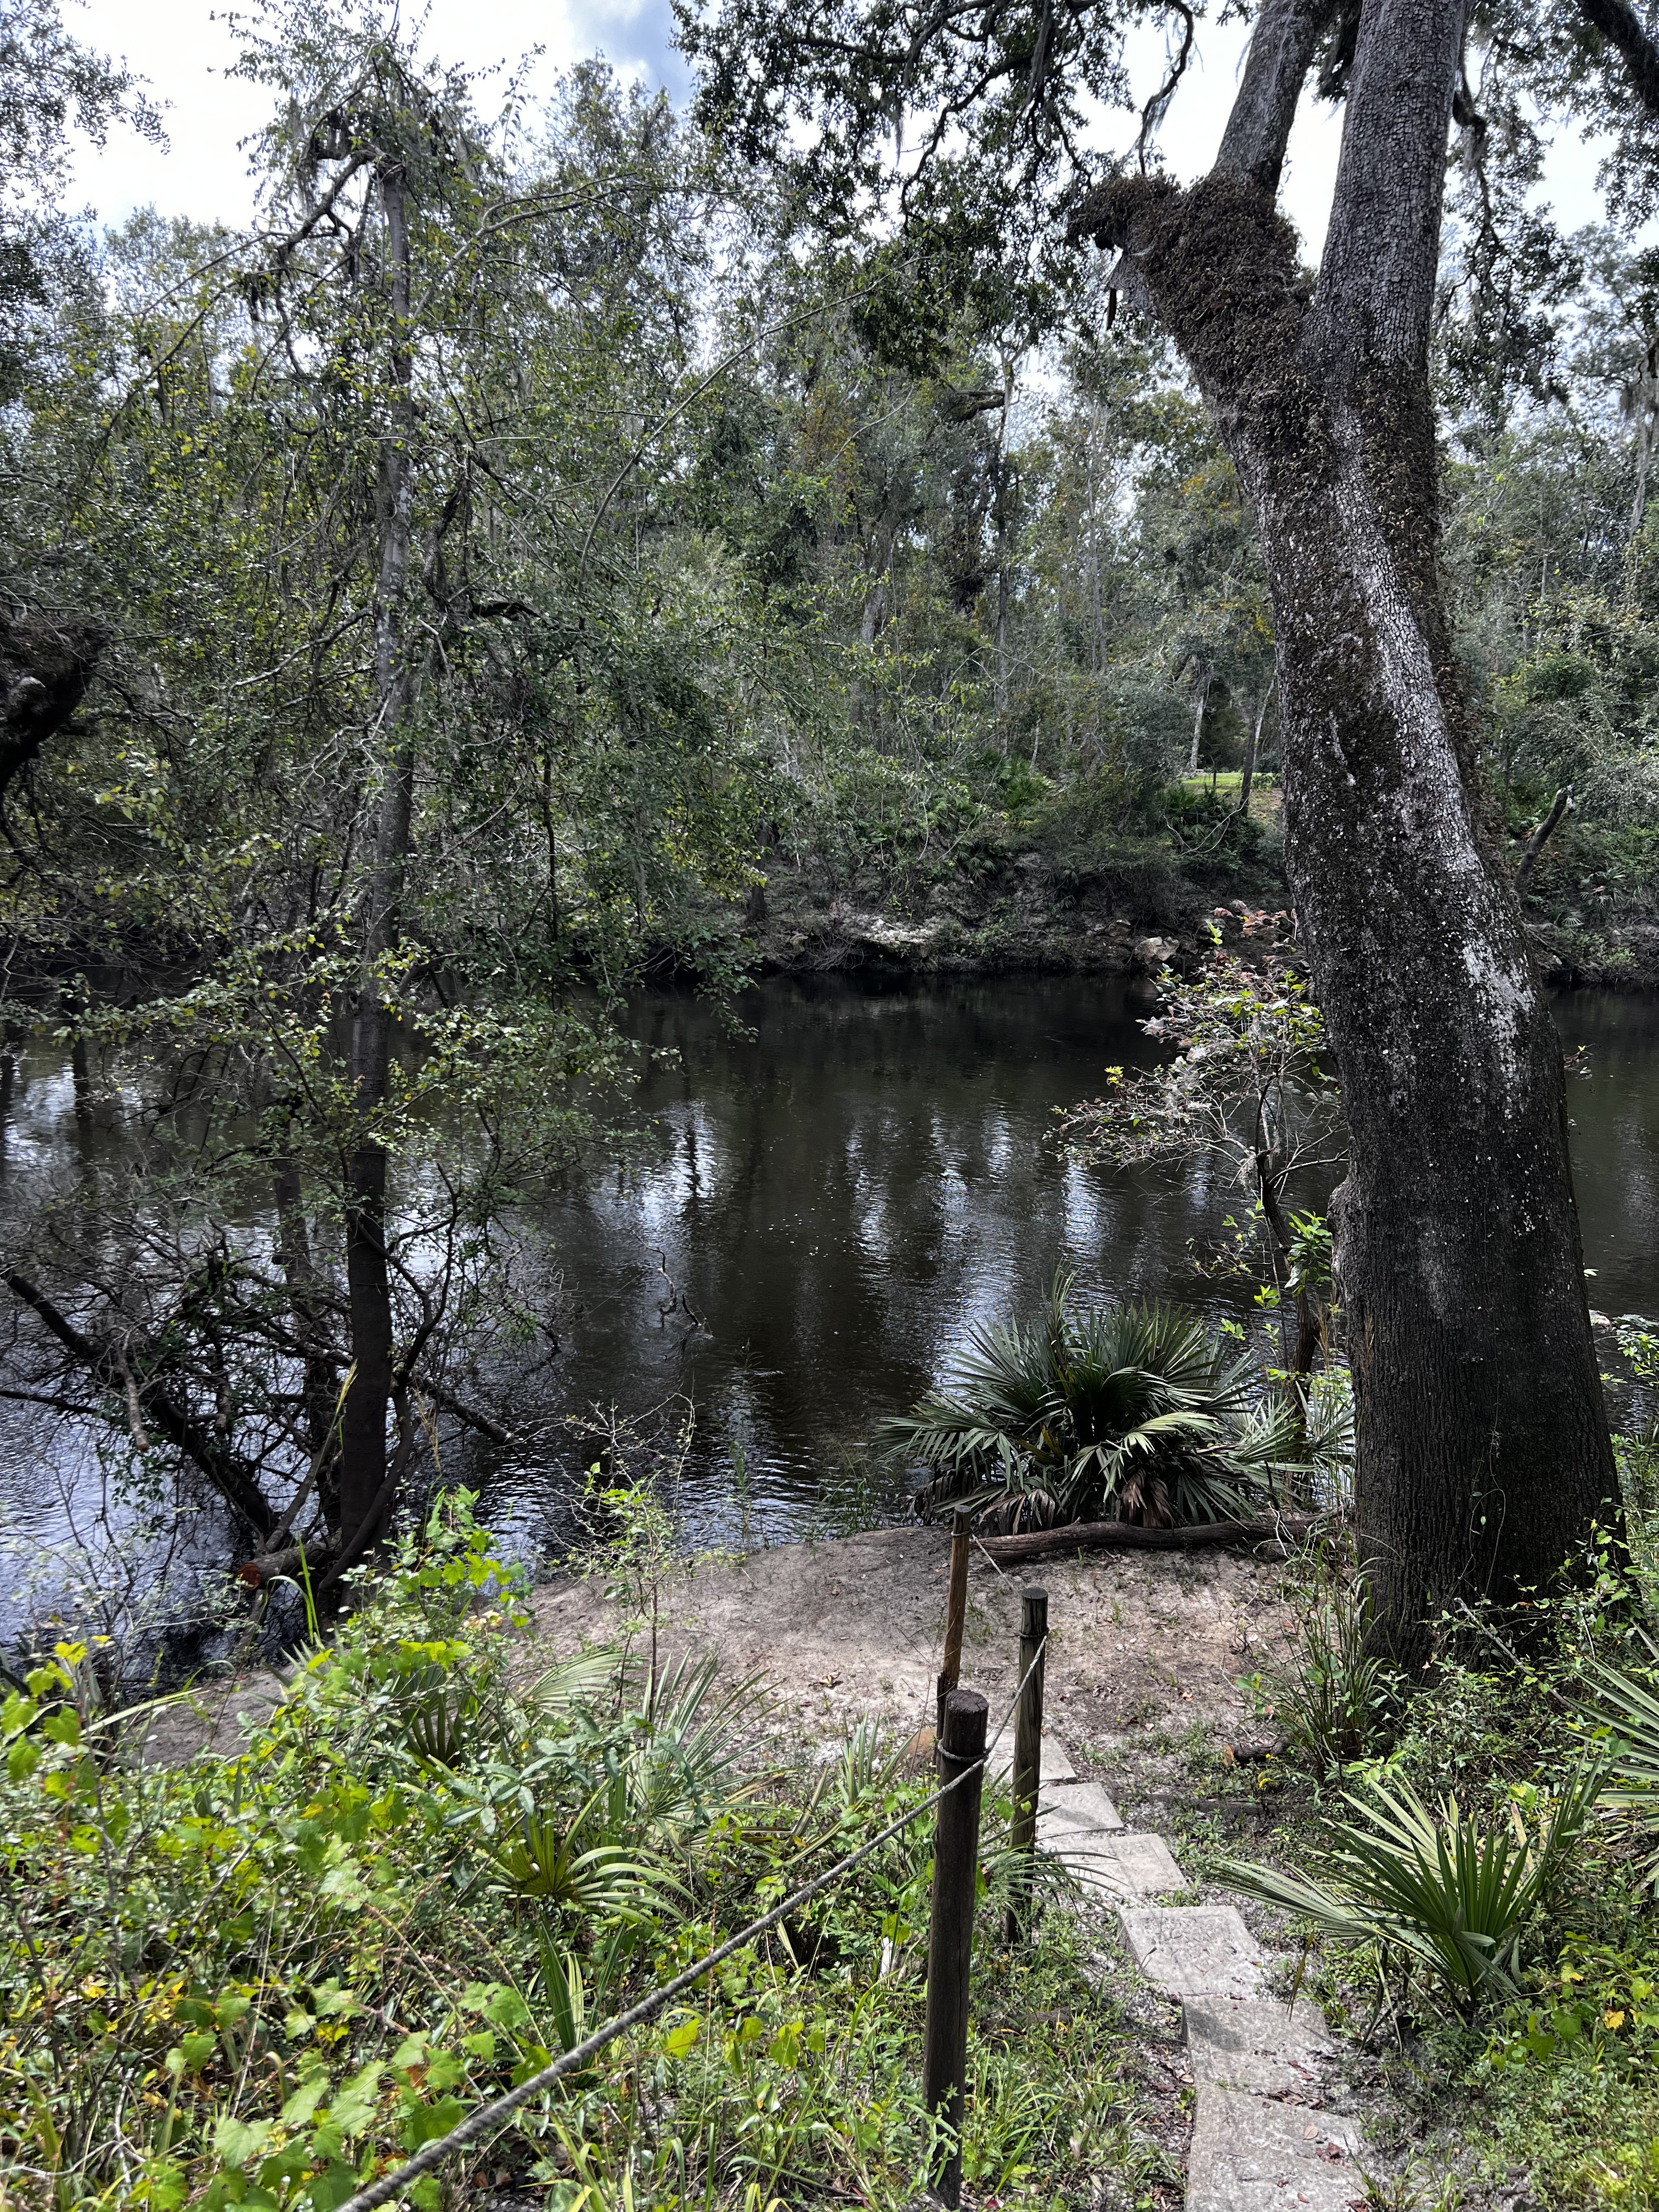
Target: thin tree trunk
<point>1540,836</point>
<point>363,1420</point>
<point>8,1083</point>
<point>875,585</point>
<point>80,1076</point>
<point>321,1385</point>
<point>1002,504</point>
<point>1252,747</point>
<point>1643,398</point>
<point>1203,693</point>
<point>1483,1444</point>
<point>1644,459</point>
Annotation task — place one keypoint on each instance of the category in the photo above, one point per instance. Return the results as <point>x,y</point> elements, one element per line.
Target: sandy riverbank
<point>1139,1646</point>
<point>854,1627</point>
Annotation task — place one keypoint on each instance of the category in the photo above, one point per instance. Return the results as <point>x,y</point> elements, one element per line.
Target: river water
<point>843,1192</point>
<point>829,1201</point>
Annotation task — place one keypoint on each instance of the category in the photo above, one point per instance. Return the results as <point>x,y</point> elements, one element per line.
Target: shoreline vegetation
<point>483,1819</point>
<point>1047,893</point>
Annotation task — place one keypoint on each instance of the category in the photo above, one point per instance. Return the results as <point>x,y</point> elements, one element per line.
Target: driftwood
<point>255,1573</point>
<point>1129,1536</point>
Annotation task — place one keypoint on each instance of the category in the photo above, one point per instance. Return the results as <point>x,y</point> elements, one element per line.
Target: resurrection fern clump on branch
<point>1130,1413</point>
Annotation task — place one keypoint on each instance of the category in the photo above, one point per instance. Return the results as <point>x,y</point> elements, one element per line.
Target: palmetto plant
<point>1131,1412</point>
<point>1442,1890</point>
<point>698,1745</point>
<point>578,1865</point>
<point>1626,1713</point>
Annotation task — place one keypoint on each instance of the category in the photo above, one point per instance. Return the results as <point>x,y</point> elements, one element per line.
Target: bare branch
<point>182,1429</point>
<point>470,1416</point>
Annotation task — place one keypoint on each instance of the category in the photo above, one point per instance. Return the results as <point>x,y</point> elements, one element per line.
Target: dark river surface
<point>839,1196</point>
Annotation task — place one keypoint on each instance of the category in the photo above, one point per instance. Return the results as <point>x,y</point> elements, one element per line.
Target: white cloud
<point>184,49</point>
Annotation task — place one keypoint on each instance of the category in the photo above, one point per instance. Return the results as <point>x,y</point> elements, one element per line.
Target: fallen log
<point>255,1573</point>
<point>1130,1536</point>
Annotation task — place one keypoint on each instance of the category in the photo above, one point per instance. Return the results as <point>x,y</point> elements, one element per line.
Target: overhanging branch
<point>1620,26</point>
<point>105,1362</point>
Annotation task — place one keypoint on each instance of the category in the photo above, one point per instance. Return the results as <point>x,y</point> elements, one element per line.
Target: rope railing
<point>479,2122</point>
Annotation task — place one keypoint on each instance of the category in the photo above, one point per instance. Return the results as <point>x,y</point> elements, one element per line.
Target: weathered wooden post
<point>956,1614</point>
<point>1028,1757</point>
<point>950,1932</point>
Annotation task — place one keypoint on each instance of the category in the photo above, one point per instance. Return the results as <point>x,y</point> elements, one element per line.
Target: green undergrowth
<point>261,1979</point>
<point>1527,2069</point>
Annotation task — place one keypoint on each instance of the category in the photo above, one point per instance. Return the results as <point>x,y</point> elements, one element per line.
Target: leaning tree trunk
<point>365,1481</point>
<point>320,1386</point>
<point>1483,1442</point>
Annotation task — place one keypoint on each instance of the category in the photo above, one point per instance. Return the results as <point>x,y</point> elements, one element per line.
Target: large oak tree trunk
<point>1484,1446</point>
<point>1483,1442</point>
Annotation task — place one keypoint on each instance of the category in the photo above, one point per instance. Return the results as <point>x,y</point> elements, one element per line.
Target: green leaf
<point>427,2124</point>
<point>506,2009</point>
<point>332,2187</point>
<point>305,2099</point>
<point>354,2108</point>
<point>239,2142</point>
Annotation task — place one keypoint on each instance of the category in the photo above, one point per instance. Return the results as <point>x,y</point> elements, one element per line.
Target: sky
<point>182,47</point>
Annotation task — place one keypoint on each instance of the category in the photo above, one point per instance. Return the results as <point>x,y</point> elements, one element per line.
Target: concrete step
<point>1119,1866</point>
<point>1260,2045</point>
<point>1262,2141</point>
<point>1057,1764</point>
<point>1196,1951</point>
<point>1075,1816</point>
<point>1254,2153</point>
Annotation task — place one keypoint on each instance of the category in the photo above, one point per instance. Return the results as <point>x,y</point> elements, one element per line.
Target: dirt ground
<point>1139,1644</point>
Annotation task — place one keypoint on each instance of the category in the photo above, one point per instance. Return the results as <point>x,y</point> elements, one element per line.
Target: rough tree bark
<point>1484,1448</point>
<point>46,662</point>
<point>362,1475</point>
